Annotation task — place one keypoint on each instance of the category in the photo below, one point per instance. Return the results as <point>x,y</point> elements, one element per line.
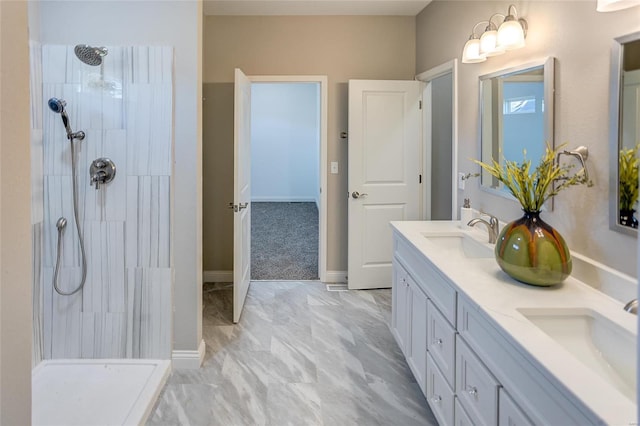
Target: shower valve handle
<point>102,171</point>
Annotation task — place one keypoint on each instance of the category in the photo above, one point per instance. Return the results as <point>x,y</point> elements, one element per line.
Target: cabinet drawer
<point>439,394</point>
<point>509,413</point>
<point>476,387</point>
<point>441,343</point>
<point>462,418</point>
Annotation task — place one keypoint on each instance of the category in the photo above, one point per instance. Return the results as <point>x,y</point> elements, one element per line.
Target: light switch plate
<point>334,167</point>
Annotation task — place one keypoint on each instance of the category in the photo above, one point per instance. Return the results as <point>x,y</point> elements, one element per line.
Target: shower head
<point>90,55</point>
<point>57,105</point>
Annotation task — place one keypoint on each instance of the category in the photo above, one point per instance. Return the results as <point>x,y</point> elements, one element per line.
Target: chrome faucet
<point>492,227</point>
<point>632,307</point>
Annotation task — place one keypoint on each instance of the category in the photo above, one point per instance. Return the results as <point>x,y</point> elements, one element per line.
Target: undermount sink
<point>461,243</point>
<point>606,348</point>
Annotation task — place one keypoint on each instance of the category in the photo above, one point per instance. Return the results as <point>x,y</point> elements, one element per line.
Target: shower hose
<point>74,186</point>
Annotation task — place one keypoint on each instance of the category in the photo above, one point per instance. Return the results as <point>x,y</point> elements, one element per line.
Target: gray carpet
<point>284,241</point>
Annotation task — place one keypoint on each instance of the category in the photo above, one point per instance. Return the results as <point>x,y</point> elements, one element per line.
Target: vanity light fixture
<point>495,40</point>
<point>613,5</point>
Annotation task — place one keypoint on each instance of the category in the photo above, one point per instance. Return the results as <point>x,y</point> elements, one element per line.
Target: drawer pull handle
<point>472,391</point>
<point>437,342</point>
<point>436,399</point>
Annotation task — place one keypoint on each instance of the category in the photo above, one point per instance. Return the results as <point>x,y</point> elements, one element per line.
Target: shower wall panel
<point>125,108</point>
<point>37,200</point>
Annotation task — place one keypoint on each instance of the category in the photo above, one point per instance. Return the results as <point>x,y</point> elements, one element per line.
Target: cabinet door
<point>417,356</point>
<point>476,388</point>
<point>400,307</point>
<point>509,414</point>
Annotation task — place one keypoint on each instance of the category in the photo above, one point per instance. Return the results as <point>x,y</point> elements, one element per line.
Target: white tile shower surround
<point>37,200</point>
<point>300,355</point>
<point>125,109</point>
<point>96,392</point>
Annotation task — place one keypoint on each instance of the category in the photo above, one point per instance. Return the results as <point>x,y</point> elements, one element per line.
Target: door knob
<point>236,208</point>
<point>356,194</point>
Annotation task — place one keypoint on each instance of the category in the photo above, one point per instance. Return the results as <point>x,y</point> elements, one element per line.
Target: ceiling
<point>314,7</point>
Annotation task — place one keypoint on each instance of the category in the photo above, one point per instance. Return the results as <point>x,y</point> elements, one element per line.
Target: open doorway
<point>285,180</point>
<point>440,151</point>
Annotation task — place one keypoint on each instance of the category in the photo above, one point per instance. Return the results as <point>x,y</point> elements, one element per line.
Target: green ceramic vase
<point>531,251</point>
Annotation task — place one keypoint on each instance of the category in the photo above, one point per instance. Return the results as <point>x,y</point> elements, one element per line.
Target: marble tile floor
<point>300,355</point>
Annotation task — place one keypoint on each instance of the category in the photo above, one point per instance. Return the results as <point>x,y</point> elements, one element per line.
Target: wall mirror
<point>624,133</point>
<point>516,116</point>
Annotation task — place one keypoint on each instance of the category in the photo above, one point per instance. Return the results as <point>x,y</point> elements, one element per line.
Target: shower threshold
<point>96,391</point>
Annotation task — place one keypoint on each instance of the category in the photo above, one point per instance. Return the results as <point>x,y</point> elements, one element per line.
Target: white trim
<point>438,71</point>
<point>427,76</point>
<point>335,277</point>
<point>217,276</point>
<point>322,209</point>
<point>188,360</point>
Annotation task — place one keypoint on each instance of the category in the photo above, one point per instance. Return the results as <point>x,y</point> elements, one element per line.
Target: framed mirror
<point>516,117</point>
<point>624,133</point>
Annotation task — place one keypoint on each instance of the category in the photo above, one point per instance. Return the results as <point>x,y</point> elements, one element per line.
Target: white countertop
<point>498,296</point>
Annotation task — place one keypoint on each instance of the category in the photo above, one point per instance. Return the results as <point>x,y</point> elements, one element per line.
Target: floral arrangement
<point>533,187</point>
<point>628,172</point>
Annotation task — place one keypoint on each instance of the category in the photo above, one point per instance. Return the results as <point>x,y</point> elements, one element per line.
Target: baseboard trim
<point>217,276</point>
<point>336,277</point>
<point>188,360</point>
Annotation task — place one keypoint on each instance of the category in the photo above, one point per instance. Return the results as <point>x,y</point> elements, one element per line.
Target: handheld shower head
<point>57,105</point>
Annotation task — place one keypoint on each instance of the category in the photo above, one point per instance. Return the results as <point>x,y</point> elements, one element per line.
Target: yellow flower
<point>533,188</point>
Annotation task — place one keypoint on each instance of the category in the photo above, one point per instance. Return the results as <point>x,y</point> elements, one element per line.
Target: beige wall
<point>580,39</point>
<point>341,47</point>
<point>15,217</point>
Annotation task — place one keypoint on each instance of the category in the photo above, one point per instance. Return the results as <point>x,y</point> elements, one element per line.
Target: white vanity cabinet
<point>468,368</point>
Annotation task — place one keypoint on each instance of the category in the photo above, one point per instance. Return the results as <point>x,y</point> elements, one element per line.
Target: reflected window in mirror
<point>516,116</point>
<point>625,133</point>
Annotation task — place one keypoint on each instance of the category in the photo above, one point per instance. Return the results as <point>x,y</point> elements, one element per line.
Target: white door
<point>384,172</point>
<point>241,193</point>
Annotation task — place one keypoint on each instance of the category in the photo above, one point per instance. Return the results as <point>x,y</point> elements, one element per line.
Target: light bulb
<point>471,52</point>
<point>489,43</point>
<point>510,34</point>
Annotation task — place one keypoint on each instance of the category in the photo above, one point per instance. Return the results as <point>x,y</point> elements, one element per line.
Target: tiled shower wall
<point>125,109</point>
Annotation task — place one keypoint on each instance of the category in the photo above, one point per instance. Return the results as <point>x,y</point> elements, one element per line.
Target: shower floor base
<point>96,391</point>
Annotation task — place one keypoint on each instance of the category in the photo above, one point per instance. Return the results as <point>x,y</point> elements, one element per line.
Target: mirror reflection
<point>625,132</point>
<point>516,113</point>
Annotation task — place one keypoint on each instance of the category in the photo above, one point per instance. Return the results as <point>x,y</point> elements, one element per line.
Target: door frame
<point>322,211</point>
<point>450,67</point>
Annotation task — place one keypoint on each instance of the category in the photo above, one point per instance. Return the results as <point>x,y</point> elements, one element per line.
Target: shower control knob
<point>102,171</point>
